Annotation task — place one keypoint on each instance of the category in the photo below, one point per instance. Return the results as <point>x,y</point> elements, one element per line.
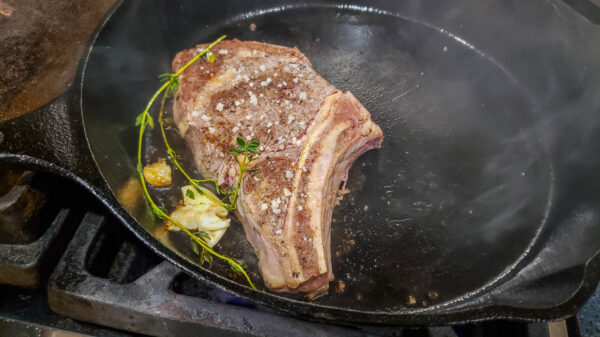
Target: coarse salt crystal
<point>264,83</point>
<point>290,119</point>
<point>263,68</point>
<point>237,103</point>
<point>269,80</point>
<point>269,131</point>
<point>286,192</point>
<point>276,211</point>
<point>275,75</point>
<point>223,51</point>
<point>205,118</point>
<point>251,85</point>
<point>279,85</point>
<point>289,174</point>
<point>219,106</point>
<point>279,231</point>
<point>295,80</point>
<point>195,113</point>
<point>301,123</point>
<point>284,84</point>
<point>248,117</point>
<point>269,124</point>
<point>253,100</point>
<point>261,148</point>
<point>235,129</point>
<point>274,204</point>
<point>300,208</point>
<point>211,130</point>
<point>261,95</point>
<point>248,138</point>
<point>264,207</point>
<point>302,95</point>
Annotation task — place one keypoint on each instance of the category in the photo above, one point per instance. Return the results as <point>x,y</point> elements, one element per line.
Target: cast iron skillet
<point>483,201</point>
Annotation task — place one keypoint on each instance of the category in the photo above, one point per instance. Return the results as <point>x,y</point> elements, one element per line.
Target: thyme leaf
<point>138,119</point>
<point>202,234</point>
<point>210,56</point>
<point>196,248</point>
<point>205,257</point>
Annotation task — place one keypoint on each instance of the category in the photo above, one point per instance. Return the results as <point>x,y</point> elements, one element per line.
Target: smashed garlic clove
<point>158,173</point>
<point>196,217</point>
<point>200,213</point>
<point>191,197</point>
<point>215,236</point>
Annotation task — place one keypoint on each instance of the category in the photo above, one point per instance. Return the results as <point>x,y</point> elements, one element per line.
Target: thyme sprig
<point>243,157</point>
<point>144,119</point>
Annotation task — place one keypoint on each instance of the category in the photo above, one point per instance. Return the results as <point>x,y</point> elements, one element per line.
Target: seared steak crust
<point>310,134</point>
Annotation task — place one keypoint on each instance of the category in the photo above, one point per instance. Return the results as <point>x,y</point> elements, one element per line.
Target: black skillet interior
<point>483,199</point>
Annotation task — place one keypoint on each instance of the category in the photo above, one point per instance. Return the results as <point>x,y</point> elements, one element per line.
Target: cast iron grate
<point>35,226</point>
<point>115,255</point>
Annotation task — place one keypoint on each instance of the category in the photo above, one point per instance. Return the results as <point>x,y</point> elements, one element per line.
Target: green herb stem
<point>202,53</point>
<point>173,156</point>
<point>242,167</point>
<point>146,119</point>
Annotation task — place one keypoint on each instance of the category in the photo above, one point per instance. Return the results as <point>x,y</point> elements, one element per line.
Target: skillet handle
<point>51,139</point>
